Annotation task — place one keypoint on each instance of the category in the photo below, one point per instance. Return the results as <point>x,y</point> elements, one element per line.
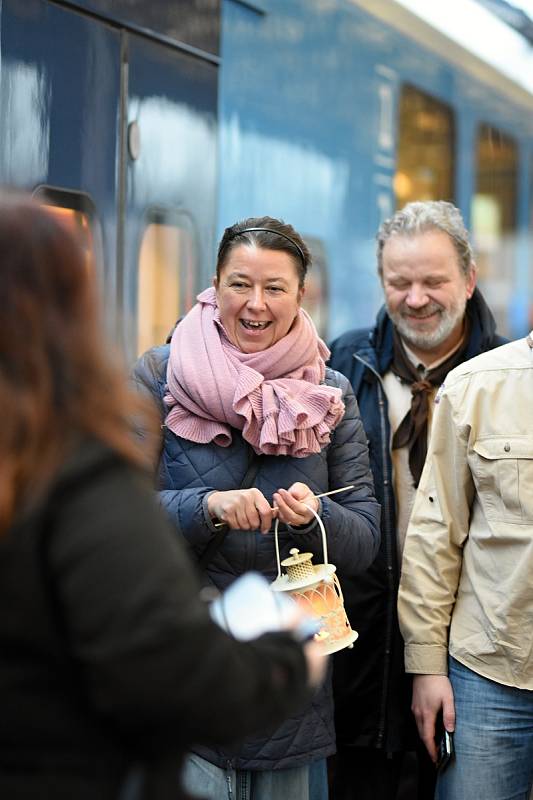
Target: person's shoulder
<point>337,379</point>
<point>352,340</point>
<point>87,456</point>
<point>150,368</point>
<point>154,359</point>
<point>509,356</point>
<point>89,468</point>
<point>345,351</point>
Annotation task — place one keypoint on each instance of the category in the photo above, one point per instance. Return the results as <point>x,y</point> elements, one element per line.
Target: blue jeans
<point>205,780</point>
<point>493,740</point>
<point>318,780</point>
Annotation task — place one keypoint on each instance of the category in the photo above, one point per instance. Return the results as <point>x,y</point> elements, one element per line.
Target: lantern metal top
<point>296,558</point>
<point>318,573</point>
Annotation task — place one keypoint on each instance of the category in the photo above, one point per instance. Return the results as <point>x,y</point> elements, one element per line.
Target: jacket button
<point>507,447</point>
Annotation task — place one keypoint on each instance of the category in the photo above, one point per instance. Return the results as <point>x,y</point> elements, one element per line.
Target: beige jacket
<point>467,571</point>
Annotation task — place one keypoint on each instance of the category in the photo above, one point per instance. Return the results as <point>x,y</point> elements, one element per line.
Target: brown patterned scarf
<point>413,429</point>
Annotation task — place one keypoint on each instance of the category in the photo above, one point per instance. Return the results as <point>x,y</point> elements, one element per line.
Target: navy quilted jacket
<point>188,472</point>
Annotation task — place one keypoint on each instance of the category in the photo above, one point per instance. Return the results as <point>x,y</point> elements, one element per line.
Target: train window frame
<point>320,267</point>
<point>448,139</point>
<point>172,217</point>
<point>80,203</point>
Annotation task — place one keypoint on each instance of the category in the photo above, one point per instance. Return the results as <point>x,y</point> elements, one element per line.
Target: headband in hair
<point>276,233</point>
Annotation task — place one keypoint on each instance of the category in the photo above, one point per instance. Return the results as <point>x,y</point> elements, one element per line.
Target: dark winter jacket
<point>372,692</point>
<point>107,657</point>
<point>189,472</point>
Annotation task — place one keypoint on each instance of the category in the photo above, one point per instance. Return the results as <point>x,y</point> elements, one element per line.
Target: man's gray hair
<point>420,217</point>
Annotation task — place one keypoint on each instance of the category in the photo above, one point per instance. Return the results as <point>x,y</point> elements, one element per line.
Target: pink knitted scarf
<point>274,396</point>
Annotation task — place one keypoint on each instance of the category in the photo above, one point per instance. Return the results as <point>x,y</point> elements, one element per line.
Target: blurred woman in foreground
<point>107,658</point>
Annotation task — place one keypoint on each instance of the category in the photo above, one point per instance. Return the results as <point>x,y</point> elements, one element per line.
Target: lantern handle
<point>322,530</point>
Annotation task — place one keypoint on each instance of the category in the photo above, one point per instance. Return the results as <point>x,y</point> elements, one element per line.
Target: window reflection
<point>167,276</point>
<point>76,211</point>
<point>315,300</point>
<point>494,221</point>
<point>79,224</point>
<point>425,158</point>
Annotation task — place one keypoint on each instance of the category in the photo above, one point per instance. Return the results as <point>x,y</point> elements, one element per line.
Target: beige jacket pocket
<point>502,467</point>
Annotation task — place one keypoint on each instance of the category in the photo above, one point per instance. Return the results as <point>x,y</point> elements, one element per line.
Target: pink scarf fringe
<point>274,396</point>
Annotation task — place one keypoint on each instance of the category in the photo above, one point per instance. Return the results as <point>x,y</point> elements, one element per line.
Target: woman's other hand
<point>314,655</point>
<point>290,503</point>
<point>242,509</point>
<point>317,664</point>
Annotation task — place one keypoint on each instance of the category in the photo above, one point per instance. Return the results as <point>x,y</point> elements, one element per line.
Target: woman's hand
<point>317,663</point>
<point>242,509</point>
<point>290,504</point>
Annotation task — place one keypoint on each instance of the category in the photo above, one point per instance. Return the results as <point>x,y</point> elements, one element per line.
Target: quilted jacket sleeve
<point>351,518</point>
<point>186,507</point>
<point>146,380</point>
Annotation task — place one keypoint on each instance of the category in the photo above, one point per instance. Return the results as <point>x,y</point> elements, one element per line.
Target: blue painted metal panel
<point>173,99</point>
<point>193,22</point>
<point>59,101</point>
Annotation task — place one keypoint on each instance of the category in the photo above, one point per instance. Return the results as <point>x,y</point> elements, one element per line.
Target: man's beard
<point>427,340</point>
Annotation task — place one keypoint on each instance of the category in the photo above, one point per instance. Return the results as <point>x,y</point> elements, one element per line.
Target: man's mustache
<point>420,313</point>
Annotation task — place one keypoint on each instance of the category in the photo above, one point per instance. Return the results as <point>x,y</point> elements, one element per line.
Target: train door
<point>59,110</point>
<point>169,186</point>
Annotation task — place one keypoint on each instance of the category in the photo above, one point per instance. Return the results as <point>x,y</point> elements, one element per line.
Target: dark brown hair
<point>267,233</point>
<point>56,380</point>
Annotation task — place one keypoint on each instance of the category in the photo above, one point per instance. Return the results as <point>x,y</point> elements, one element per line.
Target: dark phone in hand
<point>444,750</point>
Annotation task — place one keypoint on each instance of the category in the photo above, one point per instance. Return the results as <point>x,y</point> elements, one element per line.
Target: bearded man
<point>433,319</point>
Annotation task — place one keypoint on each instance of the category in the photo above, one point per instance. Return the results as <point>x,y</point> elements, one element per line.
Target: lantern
<point>316,589</point>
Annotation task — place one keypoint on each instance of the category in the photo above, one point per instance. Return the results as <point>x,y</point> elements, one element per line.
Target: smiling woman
<point>255,426</point>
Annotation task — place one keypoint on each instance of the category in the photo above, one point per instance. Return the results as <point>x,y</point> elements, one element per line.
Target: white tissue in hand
<point>248,608</point>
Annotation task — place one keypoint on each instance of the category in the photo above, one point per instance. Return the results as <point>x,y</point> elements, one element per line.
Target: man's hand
<point>431,693</point>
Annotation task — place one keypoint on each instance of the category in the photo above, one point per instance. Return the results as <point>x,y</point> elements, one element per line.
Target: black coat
<point>189,472</point>
<point>372,691</point>
<point>107,657</point>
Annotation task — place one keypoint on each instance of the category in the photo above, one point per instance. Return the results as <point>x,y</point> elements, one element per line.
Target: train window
<point>77,211</point>
<point>316,297</point>
<point>425,156</point>
<point>493,216</point>
<point>167,275</point>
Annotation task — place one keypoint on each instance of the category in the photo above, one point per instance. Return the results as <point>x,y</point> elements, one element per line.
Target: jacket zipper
<point>389,540</point>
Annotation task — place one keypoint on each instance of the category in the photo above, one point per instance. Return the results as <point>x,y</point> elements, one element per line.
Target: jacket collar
<point>482,325</point>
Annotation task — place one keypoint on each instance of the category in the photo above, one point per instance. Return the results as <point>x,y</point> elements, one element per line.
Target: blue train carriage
<point>108,112</point>
<point>335,112</point>
<point>326,112</point>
